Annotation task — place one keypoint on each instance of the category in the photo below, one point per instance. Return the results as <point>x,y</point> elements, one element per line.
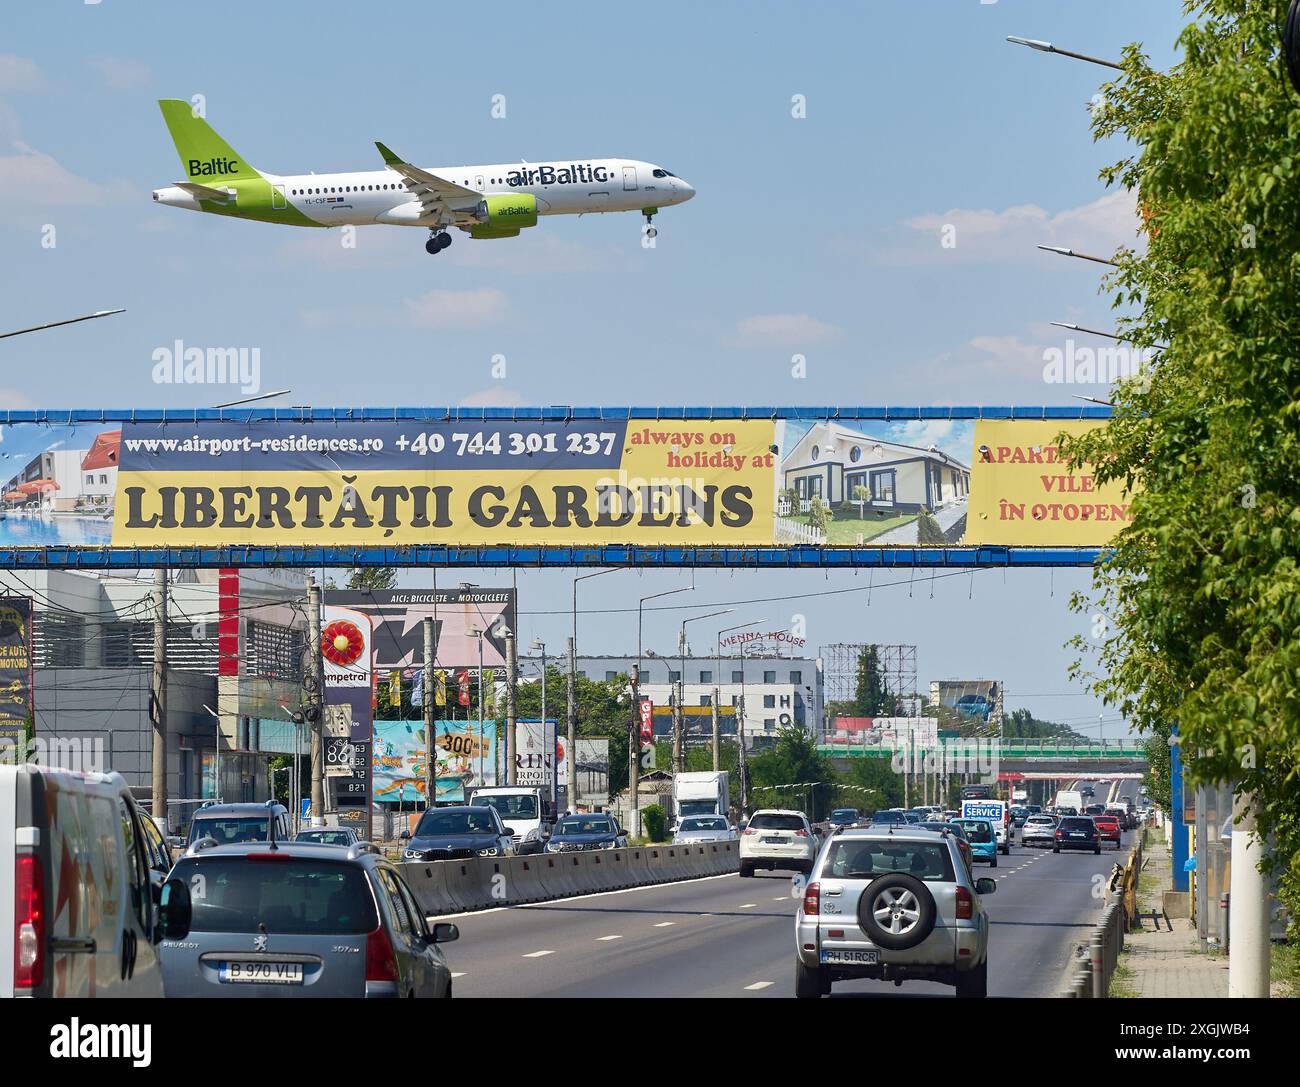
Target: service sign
<point>631,481</point>
<point>15,668</point>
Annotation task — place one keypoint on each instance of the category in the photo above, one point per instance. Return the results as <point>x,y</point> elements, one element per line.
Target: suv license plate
<point>773,841</point>
<point>869,958</point>
<point>275,973</point>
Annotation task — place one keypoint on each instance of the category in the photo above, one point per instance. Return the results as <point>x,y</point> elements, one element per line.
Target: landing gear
<point>438,241</point>
<point>650,231</point>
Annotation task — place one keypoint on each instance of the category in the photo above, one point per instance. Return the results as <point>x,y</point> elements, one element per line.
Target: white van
<point>78,862</point>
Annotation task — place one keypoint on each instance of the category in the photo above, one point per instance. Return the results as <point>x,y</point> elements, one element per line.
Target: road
<point>733,937</point>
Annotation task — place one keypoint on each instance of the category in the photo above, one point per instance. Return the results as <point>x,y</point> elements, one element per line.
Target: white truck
<point>526,811</point>
<point>1070,798</point>
<point>702,793</point>
<point>996,812</point>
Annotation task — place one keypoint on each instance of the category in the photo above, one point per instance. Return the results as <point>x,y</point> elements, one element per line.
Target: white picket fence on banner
<point>788,531</point>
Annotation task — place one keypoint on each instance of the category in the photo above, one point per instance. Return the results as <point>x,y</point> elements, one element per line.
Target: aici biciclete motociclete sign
<point>751,482</point>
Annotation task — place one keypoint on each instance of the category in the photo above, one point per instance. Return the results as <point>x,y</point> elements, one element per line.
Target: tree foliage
<point>1197,615</point>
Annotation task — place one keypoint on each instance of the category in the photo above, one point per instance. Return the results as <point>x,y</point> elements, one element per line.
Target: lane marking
<point>665,924</point>
<point>747,906</point>
<point>602,939</point>
<point>758,985</point>
<point>782,898</point>
<point>457,974</point>
<point>538,954</point>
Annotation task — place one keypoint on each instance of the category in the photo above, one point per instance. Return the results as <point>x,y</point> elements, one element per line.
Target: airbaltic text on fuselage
<point>271,507</point>
<point>213,167</point>
<point>581,172</point>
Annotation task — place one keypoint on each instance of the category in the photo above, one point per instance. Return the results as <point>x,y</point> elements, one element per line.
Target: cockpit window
<point>662,173</point>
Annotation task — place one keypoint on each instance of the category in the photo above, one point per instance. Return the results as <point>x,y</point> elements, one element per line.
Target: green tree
<point>793,760</point>
<point>1196,617</point>
<point>861,495</point>
<point>1023,724</point>
<point>871,697</point>
<point>928,532</point>
<point>819,515</point>
<point>372,577</point>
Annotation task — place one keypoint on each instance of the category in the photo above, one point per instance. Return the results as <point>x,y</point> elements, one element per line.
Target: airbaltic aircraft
<point>483,201</point>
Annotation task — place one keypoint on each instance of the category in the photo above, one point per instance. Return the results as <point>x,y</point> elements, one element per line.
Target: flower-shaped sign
<point>341,643</point>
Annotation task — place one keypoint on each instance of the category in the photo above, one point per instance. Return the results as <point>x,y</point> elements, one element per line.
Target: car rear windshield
<point>1076,823</point>
<point>889,817</point>
<point>230,830</point>
<point>977,830</point>
<point>844,813</point>
<point>435,823</point>
<point>1040,821</point>
<point>848,859</point>
<point>290,895</point>
<point>326,837</point>
<point>777,822</point>
<point>697,823</point>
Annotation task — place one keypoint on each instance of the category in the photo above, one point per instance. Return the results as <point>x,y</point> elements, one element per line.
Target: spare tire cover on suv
<point>896,911</point>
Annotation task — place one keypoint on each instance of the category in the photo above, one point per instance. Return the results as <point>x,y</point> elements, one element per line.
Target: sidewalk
<point>1164,963</point>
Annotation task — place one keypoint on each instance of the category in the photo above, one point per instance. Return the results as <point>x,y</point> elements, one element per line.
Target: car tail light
<point>965,904</point>
<point>277,856</point>
<point>29,923</point>
<point>750,830</point>
<point>1060,834</point>
<point>381,962</point>
<point>812,900</point>
<point>801,834</point>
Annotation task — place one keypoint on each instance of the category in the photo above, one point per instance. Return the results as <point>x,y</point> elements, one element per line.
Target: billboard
<point>537,750</point>
<point>15,668</point>
<point>398,618</point>
<point>465,757</point>
<point>976,700</point>
<point>801,478</point>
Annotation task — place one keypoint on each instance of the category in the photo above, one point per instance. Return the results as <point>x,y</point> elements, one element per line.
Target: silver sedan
<point>704,828</point>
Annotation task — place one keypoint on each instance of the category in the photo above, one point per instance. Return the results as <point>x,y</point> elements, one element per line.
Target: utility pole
<point>571,754</point>
<point>678,695</point>
<point>159,777</point>
<point>1248,913</point>
<point>512,771</point>
<point>717,740</point>
<point>316,701</point>
<point>742,759</point>
<point>634,756</point>
<point>430,744</point>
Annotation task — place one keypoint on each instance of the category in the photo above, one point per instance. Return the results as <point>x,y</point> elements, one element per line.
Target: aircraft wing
<point>203,192</point>
<point>435,193</point>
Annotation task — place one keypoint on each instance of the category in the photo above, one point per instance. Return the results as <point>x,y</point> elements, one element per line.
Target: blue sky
<point>817,236</point>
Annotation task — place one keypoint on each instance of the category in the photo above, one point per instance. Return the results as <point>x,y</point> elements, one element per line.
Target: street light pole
<point>634,737</point>
<point>547,755</point>
<point>679,758</point>
<point>717,689</point>
<point>1048,47</point>
<point>571,755</point>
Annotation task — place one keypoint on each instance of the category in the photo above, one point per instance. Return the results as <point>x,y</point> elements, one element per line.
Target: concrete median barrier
<point>457,886</point>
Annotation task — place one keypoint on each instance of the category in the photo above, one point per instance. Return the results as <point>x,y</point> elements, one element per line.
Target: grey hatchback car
<point>296,919</point>
<point>892,904</point>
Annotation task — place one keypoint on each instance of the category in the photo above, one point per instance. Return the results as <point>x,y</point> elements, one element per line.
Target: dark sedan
<point>1077,832</point>
<point>455,833</point>
<point>575,832</point>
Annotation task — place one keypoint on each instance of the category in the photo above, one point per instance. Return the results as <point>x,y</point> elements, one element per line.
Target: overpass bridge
<point>1055,758</point>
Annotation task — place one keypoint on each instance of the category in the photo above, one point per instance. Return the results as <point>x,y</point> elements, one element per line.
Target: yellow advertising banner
<point>1022,495</point>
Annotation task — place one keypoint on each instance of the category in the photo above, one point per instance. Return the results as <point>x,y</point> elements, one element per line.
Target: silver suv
<point>296,919</point>
<point>893,904</point>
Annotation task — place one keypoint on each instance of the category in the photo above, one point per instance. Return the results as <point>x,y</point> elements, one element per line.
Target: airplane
<point>490,201</point>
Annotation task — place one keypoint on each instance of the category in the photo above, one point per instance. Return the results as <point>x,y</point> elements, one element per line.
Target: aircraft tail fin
<point>205,156</point>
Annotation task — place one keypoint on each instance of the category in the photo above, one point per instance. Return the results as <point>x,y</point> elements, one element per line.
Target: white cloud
<point>441,308</point>
<point>122,73</point>
<point>781,330</point>
<point>437,308</point>
<point>985,236</point>
<point>496,397</point>
<point>33,177</point>
<point>19,74</point>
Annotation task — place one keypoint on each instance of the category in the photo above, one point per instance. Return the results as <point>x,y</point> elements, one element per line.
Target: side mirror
<point>446,933</point>
<point>406,834</point>
<point>174,910</point>
<point>985,886</point>
<point>732,829</point>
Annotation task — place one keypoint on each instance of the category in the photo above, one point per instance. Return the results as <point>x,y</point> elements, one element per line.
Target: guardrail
<point>1094,972</point>
<point>457,886</point>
